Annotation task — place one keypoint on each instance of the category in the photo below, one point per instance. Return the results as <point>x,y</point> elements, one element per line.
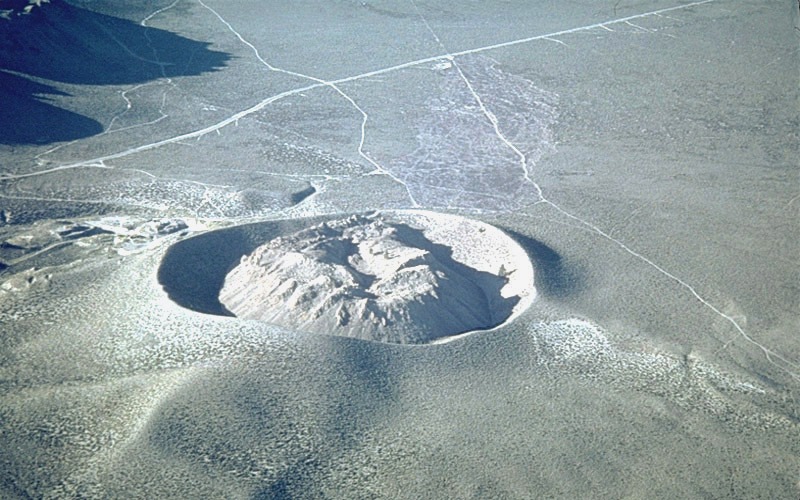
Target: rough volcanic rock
<point>368,277</point>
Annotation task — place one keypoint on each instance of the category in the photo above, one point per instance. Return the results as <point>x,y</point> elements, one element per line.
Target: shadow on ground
<point>28,118</point>
<point>554,278</point>
<point>63,43</point>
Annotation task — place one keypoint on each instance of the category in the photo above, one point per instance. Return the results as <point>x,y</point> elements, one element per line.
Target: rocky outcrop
<point>367,277</point>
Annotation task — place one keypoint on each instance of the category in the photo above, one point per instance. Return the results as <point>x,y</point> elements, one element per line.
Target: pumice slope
<point>406,277</point>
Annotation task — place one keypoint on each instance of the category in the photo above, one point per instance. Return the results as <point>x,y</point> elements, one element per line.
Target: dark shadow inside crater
<point>193,271</point>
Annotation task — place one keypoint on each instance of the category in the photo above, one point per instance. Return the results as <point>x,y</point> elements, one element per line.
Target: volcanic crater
<point>408,277</point>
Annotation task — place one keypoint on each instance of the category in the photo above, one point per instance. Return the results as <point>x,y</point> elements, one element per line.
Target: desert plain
<point>642,156</point>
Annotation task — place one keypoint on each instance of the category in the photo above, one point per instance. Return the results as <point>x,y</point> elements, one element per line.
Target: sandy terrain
<point>642,155</point>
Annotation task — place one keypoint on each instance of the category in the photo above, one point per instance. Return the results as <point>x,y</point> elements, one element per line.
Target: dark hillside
<point>59,42</point>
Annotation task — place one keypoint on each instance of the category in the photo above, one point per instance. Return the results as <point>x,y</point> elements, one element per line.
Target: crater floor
<point>384,277</point>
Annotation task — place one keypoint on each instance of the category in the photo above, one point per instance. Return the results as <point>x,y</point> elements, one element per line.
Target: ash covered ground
<point>643,156</point>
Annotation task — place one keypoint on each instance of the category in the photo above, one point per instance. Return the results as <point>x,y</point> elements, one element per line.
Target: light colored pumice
<point>376,277</point>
